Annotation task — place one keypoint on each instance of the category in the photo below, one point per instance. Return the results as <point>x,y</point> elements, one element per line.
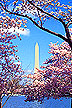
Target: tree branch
<point>69,23</point>
<point>67,32</point>
<point>44,11</point>
<point>42,28</point>
<point>59,19</point>
<point>49,31</point>
<point>6,100</point>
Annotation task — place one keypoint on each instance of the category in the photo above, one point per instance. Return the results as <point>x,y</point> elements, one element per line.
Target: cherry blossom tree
<point>11,70</point>
<point>54,79</point>
<point>40,12</point>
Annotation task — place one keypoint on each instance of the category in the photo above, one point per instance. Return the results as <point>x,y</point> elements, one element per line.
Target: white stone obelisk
<point>36,57</point>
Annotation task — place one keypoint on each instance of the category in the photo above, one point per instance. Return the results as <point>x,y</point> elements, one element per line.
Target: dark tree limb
<point>43,10</point>
<point>6,100</point>
<point>0,101</point>
<point>65,26</point>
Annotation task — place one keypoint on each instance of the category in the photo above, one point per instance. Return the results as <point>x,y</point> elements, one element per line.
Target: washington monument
<point>36,57</point>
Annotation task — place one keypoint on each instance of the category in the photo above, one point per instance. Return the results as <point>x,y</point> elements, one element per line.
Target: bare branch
<point>49,31</point>
<point>6,100</point>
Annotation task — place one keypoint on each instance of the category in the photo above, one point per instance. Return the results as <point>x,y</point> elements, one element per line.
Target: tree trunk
<point>0,101</point>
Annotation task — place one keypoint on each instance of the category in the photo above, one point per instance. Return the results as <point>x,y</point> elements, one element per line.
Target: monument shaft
<point>36,57</point>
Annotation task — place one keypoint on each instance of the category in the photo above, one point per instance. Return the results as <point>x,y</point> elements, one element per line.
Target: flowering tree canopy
<point>54,79</point>
<point>11,71</point>
<point>39,12</point>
